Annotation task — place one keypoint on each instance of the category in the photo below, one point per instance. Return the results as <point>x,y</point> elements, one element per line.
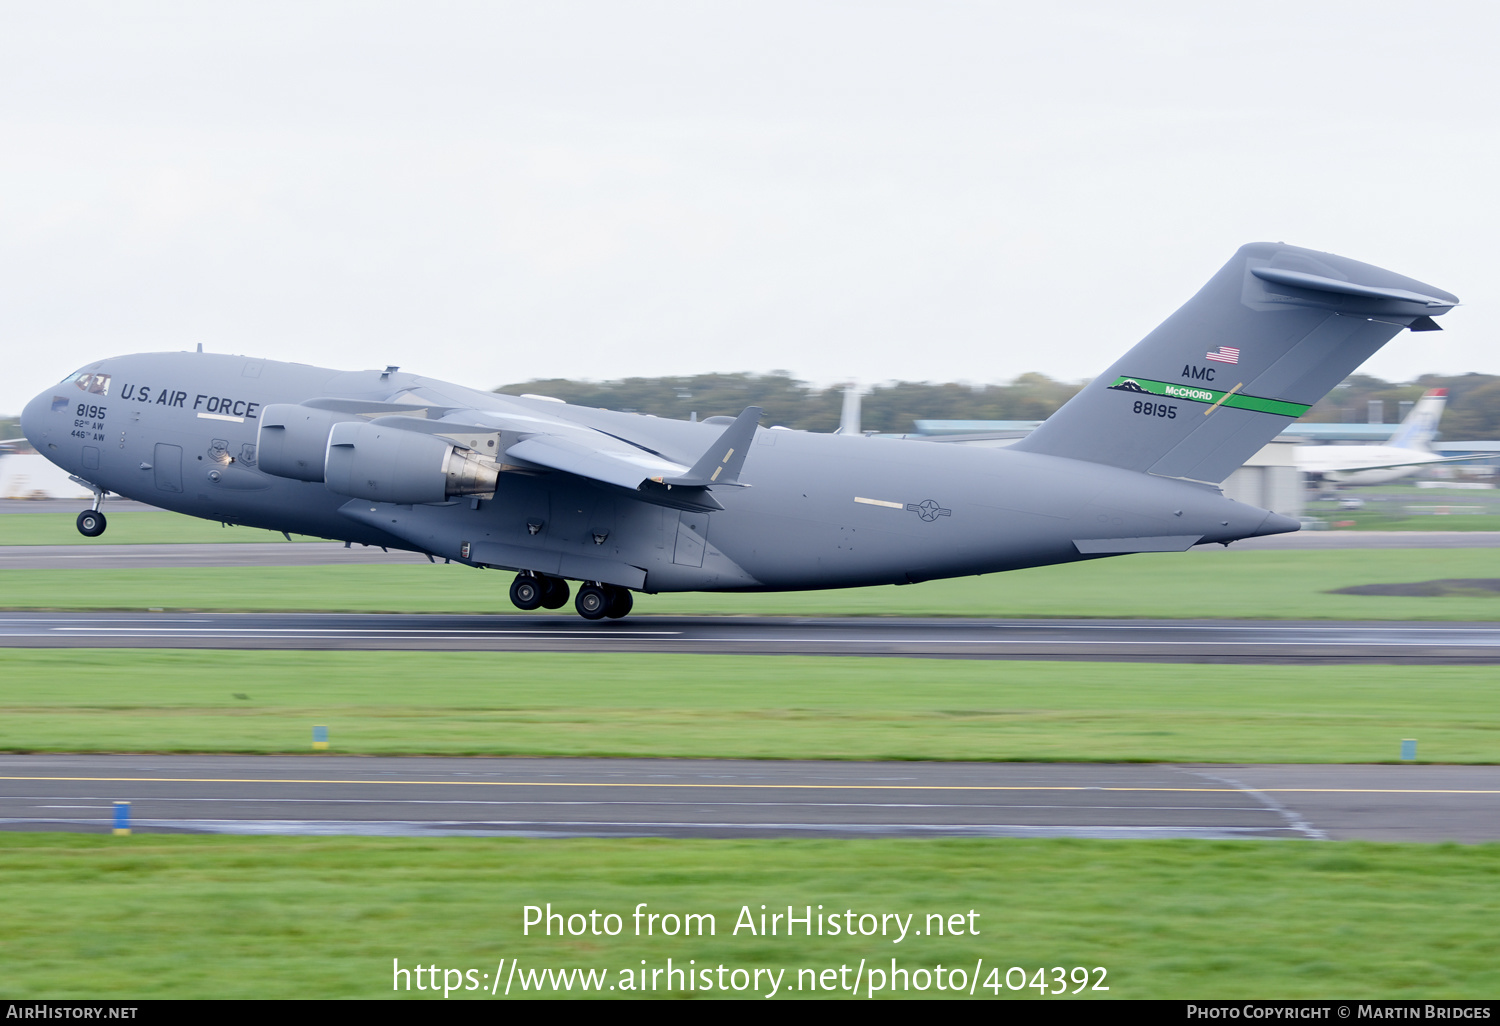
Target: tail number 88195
<point>1155,410</point>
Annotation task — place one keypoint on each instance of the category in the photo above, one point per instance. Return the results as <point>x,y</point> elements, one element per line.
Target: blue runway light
<point>122,819</point>
<point>320,737</point>
<point>1408,749</point>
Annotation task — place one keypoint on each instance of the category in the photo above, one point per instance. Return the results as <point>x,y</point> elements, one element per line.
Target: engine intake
<point>293,440</point>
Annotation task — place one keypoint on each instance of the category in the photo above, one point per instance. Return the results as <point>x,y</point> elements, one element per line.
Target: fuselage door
<point>167,463</point>
<point>692,536</point>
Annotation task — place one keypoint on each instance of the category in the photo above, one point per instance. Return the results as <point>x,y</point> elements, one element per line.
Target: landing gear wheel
<point>620,603</point>
<point>526,592</point>
<point>554,592</point>
<point>592,602</point>
<point>91,523</point>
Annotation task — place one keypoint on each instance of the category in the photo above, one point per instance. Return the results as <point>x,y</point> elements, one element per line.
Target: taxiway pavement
<point>414,797</point>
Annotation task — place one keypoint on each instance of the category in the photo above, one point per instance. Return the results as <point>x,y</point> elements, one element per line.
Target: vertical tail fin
<point>1421,424</point>
<point>1267,337</point>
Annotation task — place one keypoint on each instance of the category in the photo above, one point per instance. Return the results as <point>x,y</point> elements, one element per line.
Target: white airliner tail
<point>1407,452</point>
<point>1420,426</point>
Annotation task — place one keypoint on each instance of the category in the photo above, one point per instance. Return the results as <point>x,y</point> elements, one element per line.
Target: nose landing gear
<point>91,523</point>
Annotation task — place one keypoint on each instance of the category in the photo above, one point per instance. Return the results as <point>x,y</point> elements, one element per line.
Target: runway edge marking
<point>761,787</point>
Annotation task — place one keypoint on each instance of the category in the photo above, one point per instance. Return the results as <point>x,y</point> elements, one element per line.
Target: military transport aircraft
<point>624,502</point>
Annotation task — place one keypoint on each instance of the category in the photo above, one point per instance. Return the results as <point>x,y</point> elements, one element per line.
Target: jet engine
<point>293,440</point>
<point>386,464</point>
<point>368,460</point>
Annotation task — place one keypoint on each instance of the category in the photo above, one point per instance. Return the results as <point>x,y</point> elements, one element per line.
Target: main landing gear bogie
<point>526,592</point>
<point>596,601</point>
<point>554,593</point>
<point>535,591</point>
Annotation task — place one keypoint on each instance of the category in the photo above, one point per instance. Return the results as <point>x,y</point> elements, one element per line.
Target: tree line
<point>1473,410</point>
<point>1473,400</point>
<point>792,403</point>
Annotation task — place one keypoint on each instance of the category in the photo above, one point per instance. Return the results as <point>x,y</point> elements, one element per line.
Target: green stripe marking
<point>1207,396</point>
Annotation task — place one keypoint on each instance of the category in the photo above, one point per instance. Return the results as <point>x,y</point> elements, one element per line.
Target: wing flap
<point>615,461</point>
<point>621,469</point>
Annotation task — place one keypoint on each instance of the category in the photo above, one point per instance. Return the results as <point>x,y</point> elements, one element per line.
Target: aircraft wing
<point>616,461</point>
<point>531,438</point>
<point>618,464</point>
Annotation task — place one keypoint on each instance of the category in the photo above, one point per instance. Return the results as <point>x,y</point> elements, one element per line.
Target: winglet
<point>721,464</point>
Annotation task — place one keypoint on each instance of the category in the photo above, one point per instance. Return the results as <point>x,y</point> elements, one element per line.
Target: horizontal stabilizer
<point>1320,283</point>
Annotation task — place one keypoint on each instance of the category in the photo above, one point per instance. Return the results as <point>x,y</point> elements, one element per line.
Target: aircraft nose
<point>34,419</point>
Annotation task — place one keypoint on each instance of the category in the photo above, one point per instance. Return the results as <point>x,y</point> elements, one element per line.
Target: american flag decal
<point>1226,354</point>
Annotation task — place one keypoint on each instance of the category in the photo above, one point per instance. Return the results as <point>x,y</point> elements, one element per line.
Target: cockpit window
<point>94,384</point>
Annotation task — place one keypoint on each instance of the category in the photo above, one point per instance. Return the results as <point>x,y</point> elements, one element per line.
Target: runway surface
<point>1148,640</point>
<point>100,555</point>
<point>684,798</point>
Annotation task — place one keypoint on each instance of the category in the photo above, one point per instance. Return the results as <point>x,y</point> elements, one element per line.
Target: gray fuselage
<point>179,431</point>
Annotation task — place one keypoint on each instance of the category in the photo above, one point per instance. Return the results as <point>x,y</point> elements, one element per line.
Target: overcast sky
<point>492,192</point>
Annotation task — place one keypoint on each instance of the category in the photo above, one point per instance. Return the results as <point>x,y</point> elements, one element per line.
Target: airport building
<point>25,474</point>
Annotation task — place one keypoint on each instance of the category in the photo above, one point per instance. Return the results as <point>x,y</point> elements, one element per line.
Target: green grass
<point>1390,508</point>
<point>765,707</point>
<point>1215,583</point>
<point>130,528</point>
<point>153,916</point>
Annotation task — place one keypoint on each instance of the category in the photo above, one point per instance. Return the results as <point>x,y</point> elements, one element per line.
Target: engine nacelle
<point>293,440</point>
<point>387,464</point>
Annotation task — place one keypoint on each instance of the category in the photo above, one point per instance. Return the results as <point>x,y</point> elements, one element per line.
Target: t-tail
<point>1421,424</point>
<point>1272,333</point>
